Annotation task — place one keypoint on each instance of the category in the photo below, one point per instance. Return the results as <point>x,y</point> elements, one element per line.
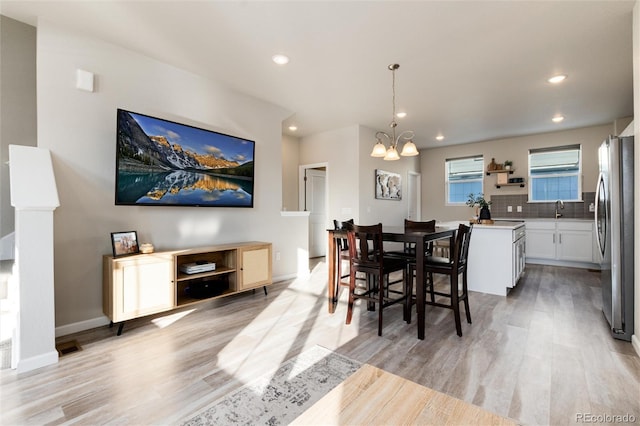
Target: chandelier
<point>380,150</point>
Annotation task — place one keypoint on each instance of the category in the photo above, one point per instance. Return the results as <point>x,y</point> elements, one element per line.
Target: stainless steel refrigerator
<point>614,228</point>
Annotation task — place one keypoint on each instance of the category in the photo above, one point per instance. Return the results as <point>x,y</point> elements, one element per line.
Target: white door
<point>413,192</point>
<point>315,193</point>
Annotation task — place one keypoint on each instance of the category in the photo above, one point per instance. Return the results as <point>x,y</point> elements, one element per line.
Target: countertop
<point>544,219</point>
<point>498,224</point>
<point>501,224</point>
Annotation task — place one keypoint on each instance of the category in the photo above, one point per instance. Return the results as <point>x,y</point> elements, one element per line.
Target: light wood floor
<point>542,355</point>
<point>374,396</point>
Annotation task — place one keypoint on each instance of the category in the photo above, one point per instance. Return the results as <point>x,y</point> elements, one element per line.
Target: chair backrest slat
<point>412,225</point>
<point>365,244</point>
<point>461,249</point>
<point>340,225</point>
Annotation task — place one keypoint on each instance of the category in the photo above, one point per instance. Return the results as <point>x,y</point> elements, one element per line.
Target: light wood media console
<point>145,284</point>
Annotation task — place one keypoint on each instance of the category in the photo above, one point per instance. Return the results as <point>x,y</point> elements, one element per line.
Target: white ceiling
<point>471,70</point>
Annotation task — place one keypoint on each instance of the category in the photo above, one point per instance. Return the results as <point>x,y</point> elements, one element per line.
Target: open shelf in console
<point>207,287</point>
<point>220,270</point>
<point>199,286</point>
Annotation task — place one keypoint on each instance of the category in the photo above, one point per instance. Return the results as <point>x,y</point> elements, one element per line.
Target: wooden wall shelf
<point>520,184</point>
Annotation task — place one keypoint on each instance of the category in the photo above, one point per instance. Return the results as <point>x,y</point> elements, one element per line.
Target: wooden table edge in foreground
<point>373,396</point>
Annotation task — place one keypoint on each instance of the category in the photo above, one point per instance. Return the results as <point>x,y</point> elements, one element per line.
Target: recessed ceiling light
<point>439,137</point>
<point>280,59</point>
<point>557,118</point>
<point>293,128</point>
<point>557,78</point>
<point>401,114</point>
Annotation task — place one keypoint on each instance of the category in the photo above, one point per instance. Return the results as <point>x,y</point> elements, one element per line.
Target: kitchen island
<point>496,256</point>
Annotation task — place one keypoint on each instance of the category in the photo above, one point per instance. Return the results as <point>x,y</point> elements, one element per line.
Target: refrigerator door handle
<point>600,233</point>
<point>614,215</point>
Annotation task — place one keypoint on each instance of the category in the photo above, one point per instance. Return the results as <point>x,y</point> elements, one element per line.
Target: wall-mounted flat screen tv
<point>163,163</point>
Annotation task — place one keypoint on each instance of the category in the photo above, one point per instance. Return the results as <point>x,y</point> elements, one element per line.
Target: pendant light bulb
<point>379,150</point>
<point>392,154</point>
<point>409,149</point>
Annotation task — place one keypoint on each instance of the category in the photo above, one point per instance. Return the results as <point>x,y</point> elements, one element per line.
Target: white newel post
<point>34,196</point>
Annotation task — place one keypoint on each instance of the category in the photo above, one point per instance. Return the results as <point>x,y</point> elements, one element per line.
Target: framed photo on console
<point>124,243</point>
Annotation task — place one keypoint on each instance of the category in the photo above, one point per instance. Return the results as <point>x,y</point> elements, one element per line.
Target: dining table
<point>389,234</point>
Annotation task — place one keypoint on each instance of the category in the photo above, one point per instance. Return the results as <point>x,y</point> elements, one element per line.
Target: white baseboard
<point>24,365</point>
<point>76,327</point>
<point>551,262</point>
<point>284,277</point>
<point>635,341</point>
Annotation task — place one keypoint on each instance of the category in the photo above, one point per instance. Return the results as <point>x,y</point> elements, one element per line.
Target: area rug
<point>280,397</point>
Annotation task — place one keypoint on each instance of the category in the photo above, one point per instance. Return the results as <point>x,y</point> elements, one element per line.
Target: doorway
<point>313,198</point>
<point>414,191</point>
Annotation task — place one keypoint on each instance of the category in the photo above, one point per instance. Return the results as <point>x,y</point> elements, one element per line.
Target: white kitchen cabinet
<point>541,239</point>
<point>575,241</point>
<point>496,257</point>
<point>519,254</point>
<point>562,240</point>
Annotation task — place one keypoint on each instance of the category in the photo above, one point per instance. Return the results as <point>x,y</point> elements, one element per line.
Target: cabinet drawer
<point>575,226</point>
<point>546,225</point>
<point>518,233</point>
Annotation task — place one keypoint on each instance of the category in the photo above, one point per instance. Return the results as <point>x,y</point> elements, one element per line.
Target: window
<point>464,176</point>
<point>554,174</point>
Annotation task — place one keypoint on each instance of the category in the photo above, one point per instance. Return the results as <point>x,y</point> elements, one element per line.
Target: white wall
<point>516,149</point>
<point>339,149</point>
<point>17,103</point>
<point>79,129</point>
<point>351,171</point>
<point>290,163</point>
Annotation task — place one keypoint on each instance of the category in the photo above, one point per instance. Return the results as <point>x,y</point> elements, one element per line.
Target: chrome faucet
<point>561,204</point>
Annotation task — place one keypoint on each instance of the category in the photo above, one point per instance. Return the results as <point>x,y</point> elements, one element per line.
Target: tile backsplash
<point>573,210</point>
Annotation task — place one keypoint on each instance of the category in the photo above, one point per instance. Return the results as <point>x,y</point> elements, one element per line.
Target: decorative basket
<point>146,248</point>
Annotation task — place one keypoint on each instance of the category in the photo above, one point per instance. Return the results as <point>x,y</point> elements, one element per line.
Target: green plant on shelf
<point>477,200</point>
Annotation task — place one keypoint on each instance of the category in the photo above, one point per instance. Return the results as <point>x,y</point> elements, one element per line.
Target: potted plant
<point>479,201</point>
<point>507,164</point>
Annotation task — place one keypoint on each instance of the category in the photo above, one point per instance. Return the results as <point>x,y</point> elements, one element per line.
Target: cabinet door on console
<point>140,285</point>
<point>255,266</point>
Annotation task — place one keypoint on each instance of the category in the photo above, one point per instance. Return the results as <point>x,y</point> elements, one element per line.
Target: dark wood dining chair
<point>453,266</point>
<point>342,254</point>
<point>408,251</point>
<point>428,226</point>
<point>366,254</point>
